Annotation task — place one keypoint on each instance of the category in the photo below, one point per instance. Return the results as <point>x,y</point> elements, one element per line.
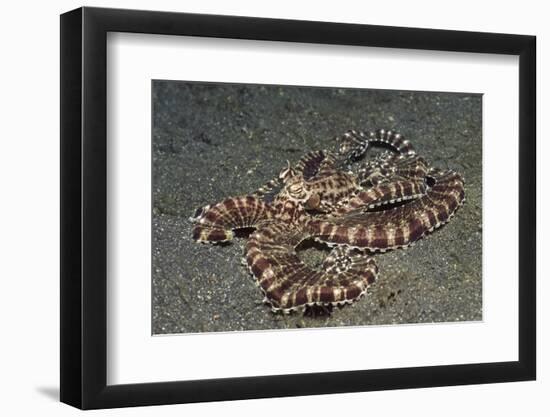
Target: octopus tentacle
<point>216,223</point>
<point>316,164</point>
<point>398,226</point>
<point>354,144</point>
<point>388,167</point>
<point>383,194</point>
<point>410,166</point>
<point>289,284</point>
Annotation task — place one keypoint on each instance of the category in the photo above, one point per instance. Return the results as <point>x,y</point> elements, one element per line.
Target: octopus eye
<point>295,189</point>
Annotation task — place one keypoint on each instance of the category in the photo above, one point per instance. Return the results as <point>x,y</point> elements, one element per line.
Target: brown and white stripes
<point>289,284</point>
<point>354,144</point>
<point>388,203</point>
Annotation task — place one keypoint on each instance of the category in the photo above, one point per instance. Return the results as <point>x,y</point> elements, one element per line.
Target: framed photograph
<point>257,208</point>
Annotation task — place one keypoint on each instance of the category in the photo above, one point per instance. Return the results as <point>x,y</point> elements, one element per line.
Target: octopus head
<point>297,189</point>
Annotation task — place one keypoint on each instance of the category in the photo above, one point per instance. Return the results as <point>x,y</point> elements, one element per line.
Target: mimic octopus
<point>389,201</point>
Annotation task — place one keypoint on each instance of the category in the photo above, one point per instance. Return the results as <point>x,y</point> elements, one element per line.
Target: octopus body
<point>386,202</point>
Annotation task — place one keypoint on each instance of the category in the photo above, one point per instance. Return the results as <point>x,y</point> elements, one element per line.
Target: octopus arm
<point>316,164</point>
<point>289,284</point>
<point>354,144</point>
<point>398,226</point>
<point>216,223</point>
<point>399,191</point>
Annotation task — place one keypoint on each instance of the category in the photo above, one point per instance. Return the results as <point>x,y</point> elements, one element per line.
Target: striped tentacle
<point>398,226</point>
<point>216,223</point>
<point>289,284</point>
<point>316,164</point>
<point>354,144</point>
<point>392,166</point>
<point>446,194</point>
<point>385,193</point>
<point>410,166</point>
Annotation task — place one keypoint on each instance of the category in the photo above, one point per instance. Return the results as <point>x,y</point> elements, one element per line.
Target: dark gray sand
<point>212,141</point>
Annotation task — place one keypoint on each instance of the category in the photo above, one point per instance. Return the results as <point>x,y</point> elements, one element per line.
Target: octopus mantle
<point>387,202</point>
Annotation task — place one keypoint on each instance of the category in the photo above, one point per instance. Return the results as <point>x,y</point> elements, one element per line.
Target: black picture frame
<point>84,207</point>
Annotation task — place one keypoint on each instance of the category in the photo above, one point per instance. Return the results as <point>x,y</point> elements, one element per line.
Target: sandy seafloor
<point>212,141</point>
